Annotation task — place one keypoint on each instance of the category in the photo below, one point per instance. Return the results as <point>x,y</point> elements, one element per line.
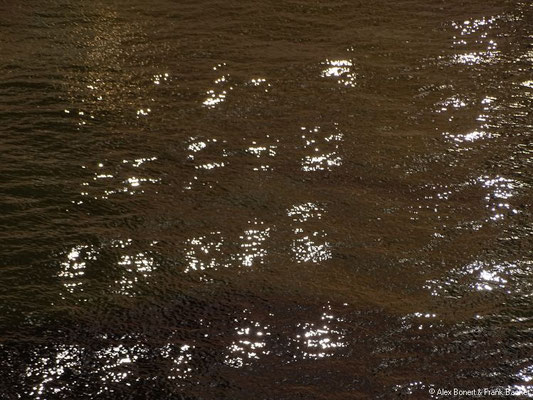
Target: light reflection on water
<point>507,277</point>
<point>192,205</point>
<point>321,339</point>
<point>45,370</point>
<point>342,71</point>
<point>322,148</point>
<point>501,191</point>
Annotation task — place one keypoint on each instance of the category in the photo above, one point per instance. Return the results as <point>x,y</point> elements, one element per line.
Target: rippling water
<point>273,200</point>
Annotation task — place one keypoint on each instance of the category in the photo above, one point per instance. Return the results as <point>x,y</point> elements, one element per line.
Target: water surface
<point>273,200</point>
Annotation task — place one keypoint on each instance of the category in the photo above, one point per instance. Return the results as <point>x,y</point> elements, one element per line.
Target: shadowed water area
<point>265,200</point>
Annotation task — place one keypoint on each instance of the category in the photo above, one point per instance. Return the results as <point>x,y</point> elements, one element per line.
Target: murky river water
<point>265,200</point>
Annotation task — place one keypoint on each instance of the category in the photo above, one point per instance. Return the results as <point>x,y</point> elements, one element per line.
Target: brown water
<point>265,200</point>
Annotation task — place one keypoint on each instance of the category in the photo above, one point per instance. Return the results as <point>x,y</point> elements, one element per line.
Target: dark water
<point>265,200</point>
